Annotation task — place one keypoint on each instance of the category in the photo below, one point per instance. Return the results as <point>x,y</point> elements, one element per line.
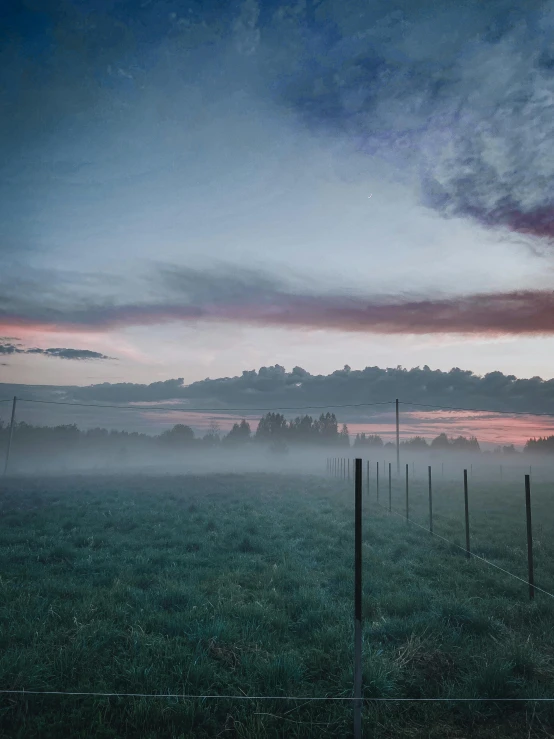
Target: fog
<point>154,460</point>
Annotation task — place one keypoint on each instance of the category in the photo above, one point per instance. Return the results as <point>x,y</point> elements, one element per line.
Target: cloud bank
<point>254,298</point>
<point>275,387</point>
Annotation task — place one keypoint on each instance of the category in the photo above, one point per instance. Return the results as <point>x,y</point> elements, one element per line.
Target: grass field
<point>243,585</point>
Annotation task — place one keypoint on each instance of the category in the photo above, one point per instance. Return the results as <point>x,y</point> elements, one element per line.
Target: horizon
<point>501,410</point>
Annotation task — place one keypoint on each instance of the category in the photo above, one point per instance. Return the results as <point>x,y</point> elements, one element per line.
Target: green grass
<point>243,584</point>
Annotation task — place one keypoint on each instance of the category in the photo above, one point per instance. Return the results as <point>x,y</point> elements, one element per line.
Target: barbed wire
<point>463,549</point>
<point>307,699</point>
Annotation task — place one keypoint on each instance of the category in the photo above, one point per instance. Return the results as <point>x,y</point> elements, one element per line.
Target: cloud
<point>458,97</point>
<point>10,349</point>
<point>77,354</point>
<point>275,387</point>
<point>250,297</point>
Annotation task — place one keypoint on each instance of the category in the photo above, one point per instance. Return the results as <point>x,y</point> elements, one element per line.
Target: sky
<point>194,189</point>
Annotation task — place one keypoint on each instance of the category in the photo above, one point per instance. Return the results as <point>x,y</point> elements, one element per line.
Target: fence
<point>336,467</point>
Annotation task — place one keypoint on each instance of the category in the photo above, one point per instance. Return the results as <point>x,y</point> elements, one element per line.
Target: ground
<point>243,585</point>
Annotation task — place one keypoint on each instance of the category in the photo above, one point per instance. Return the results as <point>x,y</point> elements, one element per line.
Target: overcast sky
<point>192,189</point>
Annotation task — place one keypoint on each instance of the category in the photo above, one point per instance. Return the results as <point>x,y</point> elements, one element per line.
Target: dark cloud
<point>254,298</point>
<point>60,353</point>
<point>10,349</point>
<point>69,353</point>
<point>274,387</point>
<point>456,96</point>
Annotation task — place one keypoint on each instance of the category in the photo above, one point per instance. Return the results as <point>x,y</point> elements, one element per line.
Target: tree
<point>272,426</point>
<point>239,434</point>
<point>418,443</point>
<point>177,437</point>
<point>542,445</point>
<point>212,438</point>
<point>303,429</point>
<point>328,428</point>
<point>371,440</point>
<point>440,442</point>
<point>344,437</point>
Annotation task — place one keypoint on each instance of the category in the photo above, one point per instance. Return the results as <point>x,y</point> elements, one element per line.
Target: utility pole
<point>10,437</point>
<point>397,440</point>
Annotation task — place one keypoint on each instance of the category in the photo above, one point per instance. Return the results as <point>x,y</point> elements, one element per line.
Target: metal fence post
<point>466,505</point>
<point>358,602</point>
<point>407,507</point>
<point>529,537</point>
<point>430,501</point>
<point>390,487</point>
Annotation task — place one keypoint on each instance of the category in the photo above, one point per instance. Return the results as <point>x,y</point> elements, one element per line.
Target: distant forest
<point>273,429</point>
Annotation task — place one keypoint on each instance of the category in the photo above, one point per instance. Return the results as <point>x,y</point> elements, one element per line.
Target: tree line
<point>273,429</point>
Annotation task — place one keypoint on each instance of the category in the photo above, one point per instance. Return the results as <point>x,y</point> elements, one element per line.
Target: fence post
<point>466,505</point>
<point>397,440</point>
<point>348,464</point>
<point>377,463</point>
<point>10,436</point>
<point>501,472</point>
<point>390,487</point>
<point>442,470</point>
<point>358,603</point>
<point>407,508</point>
<point>430,501</point>
<point>368,476</point>
<point>529,537</point>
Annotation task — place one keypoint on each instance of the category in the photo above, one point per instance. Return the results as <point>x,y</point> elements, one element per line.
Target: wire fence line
<point>307,699</point>
<point>463,549</point>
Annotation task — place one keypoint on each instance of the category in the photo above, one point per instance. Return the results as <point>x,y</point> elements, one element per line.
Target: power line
<point>198,410</point>
<point>280,408</point>
<point>475,410</point>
